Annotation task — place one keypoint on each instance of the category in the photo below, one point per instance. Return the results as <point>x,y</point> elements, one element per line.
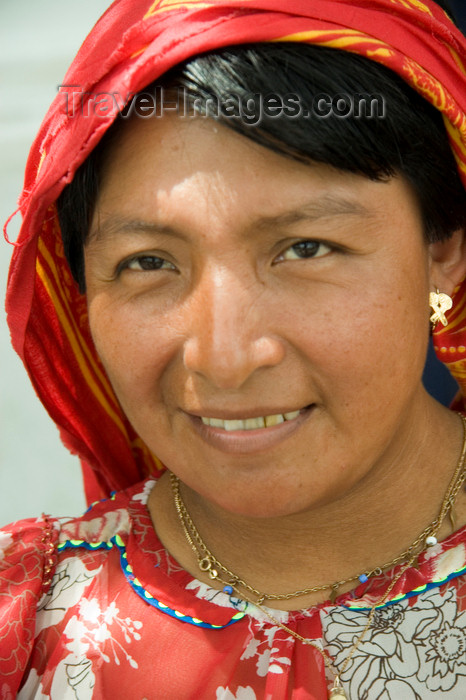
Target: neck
<point>364,529</point>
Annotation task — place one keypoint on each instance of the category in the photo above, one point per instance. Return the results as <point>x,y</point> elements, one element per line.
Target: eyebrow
<point>326,206</point>
<point>116,224</point>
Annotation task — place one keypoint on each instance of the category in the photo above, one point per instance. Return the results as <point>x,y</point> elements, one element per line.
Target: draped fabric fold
<point>135,42</point>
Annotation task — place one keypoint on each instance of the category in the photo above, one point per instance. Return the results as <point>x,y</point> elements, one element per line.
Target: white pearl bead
<point>431,541</point>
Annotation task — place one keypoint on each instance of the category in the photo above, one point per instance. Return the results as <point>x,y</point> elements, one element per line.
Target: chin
<point>255,504</point>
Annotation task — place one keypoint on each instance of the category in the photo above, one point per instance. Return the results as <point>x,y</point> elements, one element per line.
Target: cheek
<point>361,339</point>
<point>137,351</point>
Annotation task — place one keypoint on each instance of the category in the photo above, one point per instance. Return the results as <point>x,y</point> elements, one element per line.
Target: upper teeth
<point>250,423</point>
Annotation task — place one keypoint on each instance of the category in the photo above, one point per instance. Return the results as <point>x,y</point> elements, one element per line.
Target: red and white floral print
<point>121,618</point>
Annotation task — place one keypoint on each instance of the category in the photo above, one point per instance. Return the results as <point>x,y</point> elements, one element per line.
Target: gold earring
<point>439,303</point>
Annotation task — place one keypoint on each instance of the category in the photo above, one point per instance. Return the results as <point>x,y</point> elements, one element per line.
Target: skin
<point>205,300</point>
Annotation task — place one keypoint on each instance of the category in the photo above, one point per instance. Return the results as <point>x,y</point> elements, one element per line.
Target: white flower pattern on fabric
<point>424,642</point>
<point>393,690</point>
<point>143,496</point>
<point>91,633</point>
<point>267,652</point>
<point>92,628</point>
<point>89,636</point>
<point>73,679</point>
<point>448,561</point>
<point>98,529</point>
<point>68,583</point>
<point>6,540</point>
<point>443,653</point>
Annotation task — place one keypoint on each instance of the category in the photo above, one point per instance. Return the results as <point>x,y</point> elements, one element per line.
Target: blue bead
<point>363,578</point>
<point>228,590</point>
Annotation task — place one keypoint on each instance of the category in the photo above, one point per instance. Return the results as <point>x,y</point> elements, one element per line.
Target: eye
<point>306,249</point>
<point>145,263</point>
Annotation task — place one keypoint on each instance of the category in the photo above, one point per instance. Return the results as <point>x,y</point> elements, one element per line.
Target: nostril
<point>228,365</point>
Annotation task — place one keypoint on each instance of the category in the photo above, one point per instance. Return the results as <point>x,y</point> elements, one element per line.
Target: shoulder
<point>35,553</point>
<point>105,520</point>
<point>27,560</point>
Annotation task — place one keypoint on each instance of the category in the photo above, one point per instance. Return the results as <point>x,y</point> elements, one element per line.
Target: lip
<point>247,441</point>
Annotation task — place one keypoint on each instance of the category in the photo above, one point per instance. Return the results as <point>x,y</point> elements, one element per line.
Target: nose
<point>230,334</point>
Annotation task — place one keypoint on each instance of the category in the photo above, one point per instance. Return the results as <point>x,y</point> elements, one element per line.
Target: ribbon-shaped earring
<point>439,303</point>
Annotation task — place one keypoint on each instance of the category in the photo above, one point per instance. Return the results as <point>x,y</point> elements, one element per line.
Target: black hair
<point>445,5</point>
<point>407,138</point>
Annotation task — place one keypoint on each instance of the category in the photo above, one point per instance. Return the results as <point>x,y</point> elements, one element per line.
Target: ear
<point>448,262</point>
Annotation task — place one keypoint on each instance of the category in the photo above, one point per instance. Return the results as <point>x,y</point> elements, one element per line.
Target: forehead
<point>169,151</point>
<point>195,174</point>
<point>166,145</point>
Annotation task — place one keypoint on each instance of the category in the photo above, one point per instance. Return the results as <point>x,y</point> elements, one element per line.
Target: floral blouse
<point>95,607</point>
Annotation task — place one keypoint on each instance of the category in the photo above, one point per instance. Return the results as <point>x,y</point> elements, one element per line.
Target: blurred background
<point>38,40</point>
<point>37,43</point>
<point>458,8</point>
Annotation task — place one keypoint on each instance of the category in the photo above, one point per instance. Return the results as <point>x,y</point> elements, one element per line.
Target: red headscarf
<point>135,42</point>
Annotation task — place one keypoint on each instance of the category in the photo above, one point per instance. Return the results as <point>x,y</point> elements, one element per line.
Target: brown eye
<point>144,263</point>
<point>306,249</point>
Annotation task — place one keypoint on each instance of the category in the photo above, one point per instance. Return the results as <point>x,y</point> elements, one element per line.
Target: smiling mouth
<point>247,436</point>
<point>251,423</point>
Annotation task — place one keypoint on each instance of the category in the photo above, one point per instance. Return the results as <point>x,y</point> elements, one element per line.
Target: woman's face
<point>231,288</point>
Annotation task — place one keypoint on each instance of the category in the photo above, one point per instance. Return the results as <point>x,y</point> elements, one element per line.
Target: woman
<point>255,313</point>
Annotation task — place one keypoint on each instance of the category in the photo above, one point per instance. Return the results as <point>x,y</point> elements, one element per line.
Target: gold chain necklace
<point>217,571</point>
